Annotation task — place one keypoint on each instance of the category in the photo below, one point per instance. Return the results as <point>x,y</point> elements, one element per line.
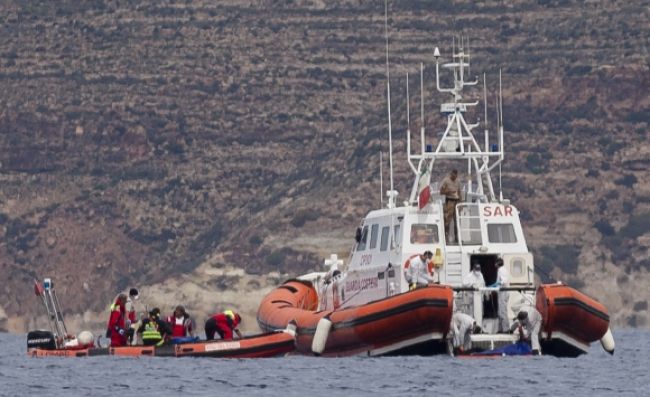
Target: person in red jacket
<point>224,324</point>
<point>117,322</point>
<point>180,323</point>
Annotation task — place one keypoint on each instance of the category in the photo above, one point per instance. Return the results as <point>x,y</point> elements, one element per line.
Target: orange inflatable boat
<point>571,316</point>
<point>265,345</point>
<point>414,322</point>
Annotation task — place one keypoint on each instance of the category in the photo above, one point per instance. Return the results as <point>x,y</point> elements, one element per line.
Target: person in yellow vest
<point>153,329</point>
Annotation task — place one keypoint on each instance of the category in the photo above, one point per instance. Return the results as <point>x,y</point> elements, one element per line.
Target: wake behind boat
<point>482,271</point>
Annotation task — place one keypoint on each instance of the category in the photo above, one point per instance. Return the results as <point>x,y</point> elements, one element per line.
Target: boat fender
<point>86,338</point>
<point>292,328</point>
<point>607,341</point>
<point>320,336</point>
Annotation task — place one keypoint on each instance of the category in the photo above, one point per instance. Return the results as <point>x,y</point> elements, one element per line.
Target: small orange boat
<point>271,344</point>
<point>571,319</point>
<point>414,322</point>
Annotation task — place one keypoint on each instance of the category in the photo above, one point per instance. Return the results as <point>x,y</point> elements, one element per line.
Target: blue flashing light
<point>429,148</point>
<point>495,147</point>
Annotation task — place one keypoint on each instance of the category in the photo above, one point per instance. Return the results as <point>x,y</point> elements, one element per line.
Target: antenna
<point>408,100</point>
<point>500,117</point>
<point>487,141</point>
<point>381,180</point>
<point>469,59</point>
<point>408,120</point>
<point>390,131</point>
<point>500,102</point>
<point>422,106</point>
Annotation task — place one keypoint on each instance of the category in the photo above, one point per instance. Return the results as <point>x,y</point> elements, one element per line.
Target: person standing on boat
<point>116,329</point>
<point>131,314</point>
<point>503,281</point>
<point>450,188</point>
<point>134,295</point>
<point>224,324</point>
<point>529,324</point>
<point>475,277</point>
<point>418,274</point>
<point>131,317</point>
<point>462,328</point>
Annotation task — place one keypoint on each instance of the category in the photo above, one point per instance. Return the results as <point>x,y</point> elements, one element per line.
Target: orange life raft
<point>571,312</point>
<point>264,345</point>
<point>405,321</point>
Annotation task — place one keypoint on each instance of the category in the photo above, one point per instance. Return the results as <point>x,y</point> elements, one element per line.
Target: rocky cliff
<point>205,151</point>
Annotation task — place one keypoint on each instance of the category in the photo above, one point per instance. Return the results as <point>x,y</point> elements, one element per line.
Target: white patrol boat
<point>488,231</point>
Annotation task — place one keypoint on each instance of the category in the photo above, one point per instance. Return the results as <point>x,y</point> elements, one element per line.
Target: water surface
<point>596,374</point>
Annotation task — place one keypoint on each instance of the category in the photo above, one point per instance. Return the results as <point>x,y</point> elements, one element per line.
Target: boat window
<point>364,236</point>
<point>501,233</point>
<point>396,237</point>
<point>385,231</point>
<point>374,234</point>
<point>424,234</point>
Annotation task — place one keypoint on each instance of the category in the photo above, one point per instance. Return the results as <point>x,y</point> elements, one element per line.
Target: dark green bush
<point>255,240</point>
<point>636,226</point>
<point>303,215</point>
<point>276,258</point>
<point>563,256</point>
<point>604,228</point>
<point>627,180</point>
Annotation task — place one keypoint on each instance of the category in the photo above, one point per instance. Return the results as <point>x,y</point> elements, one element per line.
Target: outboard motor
<point>41,339</point>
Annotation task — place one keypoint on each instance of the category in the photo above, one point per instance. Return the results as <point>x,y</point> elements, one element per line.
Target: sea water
<point>627,373</point>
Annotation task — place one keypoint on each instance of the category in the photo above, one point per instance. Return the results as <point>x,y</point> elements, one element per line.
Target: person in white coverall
<point>529,324</point>
<point>462,328</point>
<point>474,278</point>
<point>503,280</point>
<point>417,274</point>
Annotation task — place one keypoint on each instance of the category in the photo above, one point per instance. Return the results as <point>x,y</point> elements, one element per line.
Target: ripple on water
<point>596,374</point>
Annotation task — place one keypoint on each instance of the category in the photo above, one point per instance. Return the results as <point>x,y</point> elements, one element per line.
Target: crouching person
<point>225,324</point>
<point>528,325</point>
<point>462,328</point>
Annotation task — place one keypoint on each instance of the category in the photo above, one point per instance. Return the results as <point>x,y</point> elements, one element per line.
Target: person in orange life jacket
<point>153,329</point>
<point>224,324</point>
<point>180,323</point>
<point>129,305</point>
<point>116,328</point>
<point>130,312</point>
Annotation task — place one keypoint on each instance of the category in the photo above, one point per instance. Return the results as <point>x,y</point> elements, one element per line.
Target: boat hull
<point>266,345</point>
<point>571,319</point>
<point>394,324</point>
